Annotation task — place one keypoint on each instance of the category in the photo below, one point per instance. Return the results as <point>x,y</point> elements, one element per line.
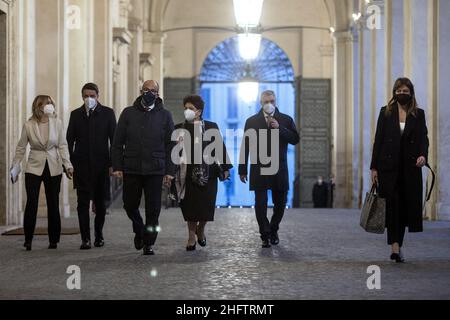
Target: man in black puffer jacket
<point>141,154</point>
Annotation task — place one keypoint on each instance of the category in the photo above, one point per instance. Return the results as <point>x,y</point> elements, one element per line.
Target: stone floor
<point>323,254</point>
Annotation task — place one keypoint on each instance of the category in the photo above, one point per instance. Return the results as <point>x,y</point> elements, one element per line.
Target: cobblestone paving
<point>323,254</point>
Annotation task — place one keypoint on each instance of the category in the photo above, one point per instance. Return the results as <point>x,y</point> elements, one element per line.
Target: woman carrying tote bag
<point>399,153</point>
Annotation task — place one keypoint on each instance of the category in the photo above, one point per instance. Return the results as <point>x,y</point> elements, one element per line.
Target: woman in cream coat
<point>48,154</point>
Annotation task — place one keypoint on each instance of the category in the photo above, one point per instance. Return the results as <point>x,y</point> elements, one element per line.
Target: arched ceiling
<point>167,14</point>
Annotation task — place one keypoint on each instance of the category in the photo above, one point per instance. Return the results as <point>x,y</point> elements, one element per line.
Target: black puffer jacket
<point>142,142</point>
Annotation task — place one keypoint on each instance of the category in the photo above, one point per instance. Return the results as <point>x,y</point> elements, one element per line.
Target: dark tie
<point>90,113</point>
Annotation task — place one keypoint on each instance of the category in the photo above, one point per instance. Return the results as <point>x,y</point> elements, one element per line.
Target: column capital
<point>135,24</point>
<point>343,36</point>
<point>122,36</point>
<point>155,37</point>
<point>146,59</point>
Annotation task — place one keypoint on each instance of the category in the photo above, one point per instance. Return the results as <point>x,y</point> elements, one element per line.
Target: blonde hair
<point>38,103</point>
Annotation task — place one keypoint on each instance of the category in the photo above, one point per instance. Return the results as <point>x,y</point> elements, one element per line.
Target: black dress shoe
<point>191,248</point>
<point>53,246</point>
<point>274,240</point>
<point>148,251</point>
<point>98,243</point>
<point>138,242</point>
<point>27,245</point>
<point>266,244</point>
<point>86,245</point>
<point>397,257</point>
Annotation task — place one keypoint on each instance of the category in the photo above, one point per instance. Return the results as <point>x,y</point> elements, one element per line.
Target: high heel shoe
<point>397,257</point>
<point>27,245</point>
<point>191,248</point>
<point>202,242</point>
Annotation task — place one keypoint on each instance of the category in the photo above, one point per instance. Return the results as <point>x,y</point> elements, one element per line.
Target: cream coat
<point>56,151</point>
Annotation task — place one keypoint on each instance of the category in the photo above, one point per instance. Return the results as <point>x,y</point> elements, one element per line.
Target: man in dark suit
<point>89,136</point>
<point>273,122</point>
<point>142,156</point>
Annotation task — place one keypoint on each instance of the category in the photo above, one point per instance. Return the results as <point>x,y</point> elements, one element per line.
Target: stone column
<point>122,39</point>
<point>52,71</point>
<point>154,43</point>
<point>81,51</point>
<point>145,67</point>
<point>343,119</point>
<point>432,114</point>
<point>443,111</point>
<point>134,59</point>
<point>103,51</point>
<point>394,42</point>
<point>19,37</point>
<point>3,110</point>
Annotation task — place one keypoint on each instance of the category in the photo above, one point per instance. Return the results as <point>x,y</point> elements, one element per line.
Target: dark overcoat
<point>287,135</point>
<point>390,156</point>
<point>90,140</point>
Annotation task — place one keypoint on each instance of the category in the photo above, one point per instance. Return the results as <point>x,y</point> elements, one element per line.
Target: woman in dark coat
<point>399,153</point>
<point>197,202</point>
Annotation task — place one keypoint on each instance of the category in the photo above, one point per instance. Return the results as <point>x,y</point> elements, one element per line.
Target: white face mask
<point>49,109</point>
<point>90,103</point>
<point>189,115</point>
<point>269,108</point>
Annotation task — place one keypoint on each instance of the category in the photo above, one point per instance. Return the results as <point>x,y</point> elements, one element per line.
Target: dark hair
<point>412,107</point>
<point>90,86</point>
<point>196,100</point>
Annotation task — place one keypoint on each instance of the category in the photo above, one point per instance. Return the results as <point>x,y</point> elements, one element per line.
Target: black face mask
<point>148,99</point>
<point>403,99</point>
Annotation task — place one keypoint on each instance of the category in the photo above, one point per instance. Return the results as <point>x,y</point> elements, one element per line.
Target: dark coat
<point>89,141</point>
<point>199,203</point>
<point>143,141</point>
<point>320,195</point>
<point>390,156</point>
<point>288,135</point>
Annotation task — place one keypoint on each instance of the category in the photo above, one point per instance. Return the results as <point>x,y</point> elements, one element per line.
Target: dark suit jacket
<point>390,156</point>
<point>287,135</point>
<point>89,141</point>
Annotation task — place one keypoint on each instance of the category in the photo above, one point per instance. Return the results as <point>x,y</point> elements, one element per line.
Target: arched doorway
<point>220,75</point>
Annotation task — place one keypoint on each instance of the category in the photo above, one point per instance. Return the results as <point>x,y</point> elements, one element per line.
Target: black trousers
<point>396,217</point>
<point>97,193</point>
<point>52,188</point>
<point>279,199</point>
<point>133,186</point>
